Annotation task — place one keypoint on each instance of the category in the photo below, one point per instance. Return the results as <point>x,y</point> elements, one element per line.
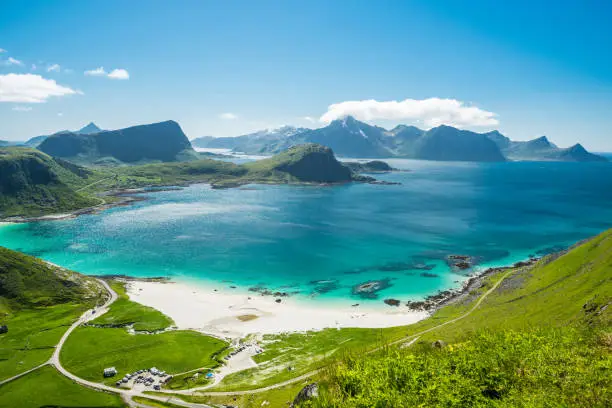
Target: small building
<point>154,371</point>
<point>3,329</point>
<point>110,372</point>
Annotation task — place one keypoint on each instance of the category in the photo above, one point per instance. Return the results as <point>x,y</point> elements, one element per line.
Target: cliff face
<point>164,141</point>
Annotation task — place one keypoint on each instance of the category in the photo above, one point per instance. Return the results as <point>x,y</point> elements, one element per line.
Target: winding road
<point>127,395</point>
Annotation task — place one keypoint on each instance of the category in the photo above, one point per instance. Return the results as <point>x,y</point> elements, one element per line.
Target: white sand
<point>197,307</point>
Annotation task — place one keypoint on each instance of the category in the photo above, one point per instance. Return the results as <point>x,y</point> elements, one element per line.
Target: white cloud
<point>60,114</point>
<point>2,50</point>
<point>309,119</point>
<point>431,112</point>
<point>114,74</point>
<point>33,67</point>
<point>96,72</point>
<point>228,116</point>
<point>22,108</point>
<point>30,88</point>
<point>54,68</point>
<point>119,74</point>
<point>13,61</point>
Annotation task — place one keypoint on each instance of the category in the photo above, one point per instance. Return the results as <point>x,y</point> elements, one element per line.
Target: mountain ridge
<point>349,137</point>
<point>162,141</point>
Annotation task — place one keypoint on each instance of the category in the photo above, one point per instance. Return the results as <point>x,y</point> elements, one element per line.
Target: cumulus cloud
<point>114,74</point>
<point>119,74</point>
<point>54,68</point>
<point>30,88</point>
<point>13,61</point>
<point>431,112</point>
<point>228,116</point>
<point>96,72</point>
<point>22,108</point>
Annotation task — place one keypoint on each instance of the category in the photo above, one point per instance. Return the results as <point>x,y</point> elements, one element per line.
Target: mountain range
<point>349,137</point>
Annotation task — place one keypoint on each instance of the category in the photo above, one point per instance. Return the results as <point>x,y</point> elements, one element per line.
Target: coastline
<point>233,313</point>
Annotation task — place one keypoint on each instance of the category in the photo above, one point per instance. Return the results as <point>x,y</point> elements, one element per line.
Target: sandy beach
<point>232,313</point>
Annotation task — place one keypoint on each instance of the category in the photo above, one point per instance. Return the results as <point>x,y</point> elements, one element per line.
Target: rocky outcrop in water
<point>369,289</point>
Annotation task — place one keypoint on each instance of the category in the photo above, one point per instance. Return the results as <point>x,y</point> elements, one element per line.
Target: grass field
<point>125,312</point>
<point>277,398</point>
<point>89,349</point>
<point>46,387</point>
<point>32,336</point>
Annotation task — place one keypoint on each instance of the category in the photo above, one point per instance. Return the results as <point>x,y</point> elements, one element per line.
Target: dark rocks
<point>439,344</point>
<point>324,286</point>
<point>308,392</point>
<point>404,266</point>
<point>278,300</point>
<point>392,302</point>
<point>3,329</point>
<point>460,262</point>
<point>429,275</point>
<point>267,292</point>
<point>355,305</point>
<point>369,289</point>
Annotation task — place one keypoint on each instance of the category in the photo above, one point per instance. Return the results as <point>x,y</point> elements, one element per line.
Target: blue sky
<point>229,67</point>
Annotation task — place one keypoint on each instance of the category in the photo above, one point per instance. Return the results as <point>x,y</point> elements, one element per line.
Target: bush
<point>539,368</point>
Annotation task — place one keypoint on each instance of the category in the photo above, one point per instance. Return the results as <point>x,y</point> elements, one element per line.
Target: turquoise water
<point>321,241</point>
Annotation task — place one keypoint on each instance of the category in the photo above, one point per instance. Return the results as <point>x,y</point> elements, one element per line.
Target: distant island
<point>349,137</point>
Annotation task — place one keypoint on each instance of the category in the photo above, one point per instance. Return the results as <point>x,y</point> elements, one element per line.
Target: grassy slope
<point>124,312</point>
<point>541,339</point>
<point>46,387</point>
<point>32,184</point>
<point>91,349</point>
<point>37,302</point>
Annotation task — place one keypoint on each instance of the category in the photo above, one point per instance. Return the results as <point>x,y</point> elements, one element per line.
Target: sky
<point>225,68</point>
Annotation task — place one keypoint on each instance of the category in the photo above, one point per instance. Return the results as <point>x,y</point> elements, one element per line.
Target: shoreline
<point>235,313</point>
<point>128,196</point>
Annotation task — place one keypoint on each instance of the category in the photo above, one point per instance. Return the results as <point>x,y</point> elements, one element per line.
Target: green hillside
<point>32,183</point>
<point>38,302</point>
<point>541,338</point>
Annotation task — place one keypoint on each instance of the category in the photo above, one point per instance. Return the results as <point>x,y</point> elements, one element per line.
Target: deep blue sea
<point>321,241</point>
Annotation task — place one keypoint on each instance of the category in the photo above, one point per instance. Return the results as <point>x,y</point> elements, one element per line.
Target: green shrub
<point>538,368</point>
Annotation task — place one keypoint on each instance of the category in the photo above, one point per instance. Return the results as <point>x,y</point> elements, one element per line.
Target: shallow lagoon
<point>321,241</point>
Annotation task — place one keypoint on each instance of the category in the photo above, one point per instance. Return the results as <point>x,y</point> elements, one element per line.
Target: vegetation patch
<point>89,350</point>
<point>124,312</point>
<point>46,387</point>
<point>546,367</point>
